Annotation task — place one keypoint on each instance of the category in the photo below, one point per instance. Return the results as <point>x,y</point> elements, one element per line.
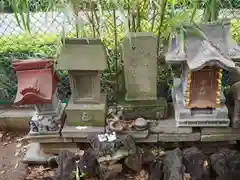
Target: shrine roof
<point>82,54</point>
<point>203,45</point>
<point>37,81</point>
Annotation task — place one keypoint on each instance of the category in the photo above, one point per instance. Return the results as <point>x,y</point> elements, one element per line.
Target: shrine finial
<point>31,88</point>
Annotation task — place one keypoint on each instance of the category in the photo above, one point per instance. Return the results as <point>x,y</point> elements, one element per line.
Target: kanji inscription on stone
<point>140,66</point>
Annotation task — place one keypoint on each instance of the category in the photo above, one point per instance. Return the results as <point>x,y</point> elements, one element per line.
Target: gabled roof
<point>208,45</point>
<point>82,54</point>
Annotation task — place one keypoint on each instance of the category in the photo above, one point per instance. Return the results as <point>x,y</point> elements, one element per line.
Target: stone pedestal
<point>140,72</point>
<point>87,114</point>
<point>48,118</point>
<point>148,109</point>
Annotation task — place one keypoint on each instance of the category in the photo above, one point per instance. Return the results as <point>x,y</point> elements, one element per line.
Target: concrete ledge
<point>73,132</point>
<point>55,148</point>
<point>152,138</point>
<point>222,130</point>
<point>196,136</point>
<point>34,156</point>
<point>220,137</point>
<point>15,119</point>
<point>48,139</point>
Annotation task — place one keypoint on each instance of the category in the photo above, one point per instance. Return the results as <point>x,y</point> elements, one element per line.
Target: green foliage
<point>25,46</point>
<point>42,45</point>
<point>236,29</point>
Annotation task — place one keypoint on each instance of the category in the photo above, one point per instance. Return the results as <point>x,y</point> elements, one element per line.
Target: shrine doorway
<point>204,87</point>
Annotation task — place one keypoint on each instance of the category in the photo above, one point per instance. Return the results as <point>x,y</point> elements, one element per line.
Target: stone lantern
<point>37,84</point>
<point>84,59</point>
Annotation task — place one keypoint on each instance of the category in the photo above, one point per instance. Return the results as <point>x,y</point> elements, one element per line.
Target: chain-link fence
<point>46,31</point>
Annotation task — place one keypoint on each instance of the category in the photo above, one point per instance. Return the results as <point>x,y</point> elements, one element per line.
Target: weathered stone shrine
<point>37,84</point>
<point>84,59</point>
<point>198,94</point>
<point>140,71</point>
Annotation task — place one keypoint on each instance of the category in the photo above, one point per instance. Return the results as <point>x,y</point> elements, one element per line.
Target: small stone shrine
<point>84,59</point>
<point>198,94</point>
<point>37,84</point>
<point>140,71</point>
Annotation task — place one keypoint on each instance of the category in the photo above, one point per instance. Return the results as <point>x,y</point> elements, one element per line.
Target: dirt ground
<point>12,148</point>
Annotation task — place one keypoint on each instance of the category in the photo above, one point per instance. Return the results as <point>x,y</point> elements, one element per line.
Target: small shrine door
<point>203,88</point>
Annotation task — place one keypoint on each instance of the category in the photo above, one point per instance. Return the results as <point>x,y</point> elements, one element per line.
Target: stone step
<point>220,130</point>
<point>169,126</point>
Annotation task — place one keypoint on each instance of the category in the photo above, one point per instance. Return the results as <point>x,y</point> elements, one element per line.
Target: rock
<point>140,124</point>
<point>196,164</point>
<point>148,156</point>
<point>118,155</point>
<point>143,175</point>
<point>106,148</point>
<point>110,171</point>
<point>232,175</point>
<point>156,172</point>
<point>88,163</point>
<point>134,162</point>
<point>173,167</point>
<point>225,161</point>
<point>52,162</point>
<point>103,148</point>
<point>66,166</point>
<point>129,144</point>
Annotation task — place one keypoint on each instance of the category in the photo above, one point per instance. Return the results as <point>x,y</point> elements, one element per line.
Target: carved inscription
<point>204,86</point>
<point>141,77</point>
<point>140,67</point>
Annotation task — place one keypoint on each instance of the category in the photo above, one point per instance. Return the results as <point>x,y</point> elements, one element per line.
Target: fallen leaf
<point>17,153</point>
<point>18,145</point>
<point>16,165</point>
<point>5,143</point>
<point>3,171</point>
<point>19,139</point>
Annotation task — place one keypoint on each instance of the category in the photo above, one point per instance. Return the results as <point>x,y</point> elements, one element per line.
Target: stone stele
<point>139,54</point>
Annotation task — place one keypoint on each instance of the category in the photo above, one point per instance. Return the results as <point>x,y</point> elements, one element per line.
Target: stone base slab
<point>148,109</point>
<point>220,134</point>
<point>152,138</point>
<point>55,148</point>
<point>177,137</point>
<point>34,156</point>
<point>80,132</point>
<point>223,130</point>
<point>169,126</point>
<point>86,114</point>
<point>220,137</point>
<point>135,134</point>
<point>50,138</point>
